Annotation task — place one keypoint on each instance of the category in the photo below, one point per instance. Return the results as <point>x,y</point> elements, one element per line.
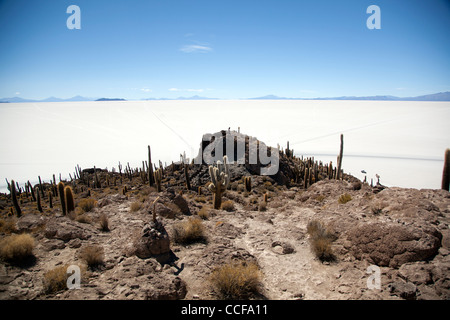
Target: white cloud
<point>192,48</point>
<point>146,90</point>
<point>17,93</point>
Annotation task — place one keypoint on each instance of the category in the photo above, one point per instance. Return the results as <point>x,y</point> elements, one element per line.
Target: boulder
<point>64,229</point>
<point>394,244</point>
<point>152,241</point>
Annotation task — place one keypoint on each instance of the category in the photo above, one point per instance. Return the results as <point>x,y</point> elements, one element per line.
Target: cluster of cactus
<point>66,198</point>
<point>186,170</point>
<point>220,179</point>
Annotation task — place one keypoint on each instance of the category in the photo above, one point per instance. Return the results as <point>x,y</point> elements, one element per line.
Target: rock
<point>405,290</point>
<point>182,204</point>
<point>63,228</point>
<point>281,247</point>
<point>52,244</point>
<point>29,222</point>
<point>417,273</point>
<point>152,241</point>
<point>394,244</point>
<point>164,289</point>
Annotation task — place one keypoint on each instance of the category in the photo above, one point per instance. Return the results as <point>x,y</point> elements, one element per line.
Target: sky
<point>138,49</point>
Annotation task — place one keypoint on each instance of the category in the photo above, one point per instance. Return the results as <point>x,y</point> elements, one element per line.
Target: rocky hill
<point>301,232</point>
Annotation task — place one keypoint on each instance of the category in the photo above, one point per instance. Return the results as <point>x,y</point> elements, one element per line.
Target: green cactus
<point>38,199</point>
<point>68,196</point>
<point>61,197</point>
<point>14,198</point>
<point>158,177</point>
<point>220,179</point>
<point>248,183</point>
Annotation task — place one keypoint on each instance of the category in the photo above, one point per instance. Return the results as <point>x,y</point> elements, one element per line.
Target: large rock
<point>393,244</point>
<point>153,241</point>
<point>63,228</point>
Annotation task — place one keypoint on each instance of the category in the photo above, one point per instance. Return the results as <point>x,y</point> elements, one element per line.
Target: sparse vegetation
<point>344,198</point>
<point>136,206</point>
<point>87,205</point>
<point>104,222</point>
<point>189,231</point>
<point>92,255</point>
<point>321,239</point>
<point>236,280</point>
<point>228,205</point>
<point>203,213</point>
<point>16,247</point>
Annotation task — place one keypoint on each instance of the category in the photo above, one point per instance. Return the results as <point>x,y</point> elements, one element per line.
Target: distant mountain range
<point>441,96</point>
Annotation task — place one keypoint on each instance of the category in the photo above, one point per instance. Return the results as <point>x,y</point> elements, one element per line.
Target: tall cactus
<point>38,199</point>
<point>14,198</point>
<point>341,151</point>
<point>61,197</point>
<point>248,183</point>
<point>158,177</point>
<point>68,196</point>
<point>446,171</point>
<point>220,179</point>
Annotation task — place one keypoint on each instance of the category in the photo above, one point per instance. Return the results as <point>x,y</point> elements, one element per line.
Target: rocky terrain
<point>404,232</point>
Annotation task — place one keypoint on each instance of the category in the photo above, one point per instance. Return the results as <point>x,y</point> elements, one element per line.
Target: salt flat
<point>402,141</point>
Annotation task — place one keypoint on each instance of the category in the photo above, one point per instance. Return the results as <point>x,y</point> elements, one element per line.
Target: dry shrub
<point>87,205</point>
<point>83,218</point>
<point>344,198</point>
<point>17,247</point>
<point>104,222</point>
<point>201,199</point>
<point>228,206</point>
<point>321,239</point>
<point>189,231</point>
<point>56,279</point>
<point>136,206</point>
<point>8,225</point>
<point>236,280</point>
<point>92,255</point>
<point>203,213</point>
<point>262,206</point>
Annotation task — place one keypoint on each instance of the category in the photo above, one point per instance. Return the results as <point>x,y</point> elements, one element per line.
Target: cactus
<point>68,196</point>
<point>158,177</point>
<point>38,199</point>
<point>14,198</point>
<point>220,179</point>
<point>248,183</point>
<point>266,197</point>
<point>339,159</point>
<point>446,172</point>
<point>61,197</point>
<point>154,210</point>
<point>186,170</point>
<point>50,199</point>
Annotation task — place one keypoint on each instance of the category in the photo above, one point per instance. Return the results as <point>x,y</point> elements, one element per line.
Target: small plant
<point>321,239</point>
<point>203,213</point>
<point>104,222</point>
<point>377,209</point>
<point>236,280</point>
<point>56,279</point>
<point>344,198</point>
<point>135,206</point>
<point>87,205</point>
<point>189,231</point>
<point>92,255</point>
<point>16,247</point>
<point>228,206</point>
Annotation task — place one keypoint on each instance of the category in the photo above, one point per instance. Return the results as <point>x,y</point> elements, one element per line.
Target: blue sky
<point>225,49</point>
